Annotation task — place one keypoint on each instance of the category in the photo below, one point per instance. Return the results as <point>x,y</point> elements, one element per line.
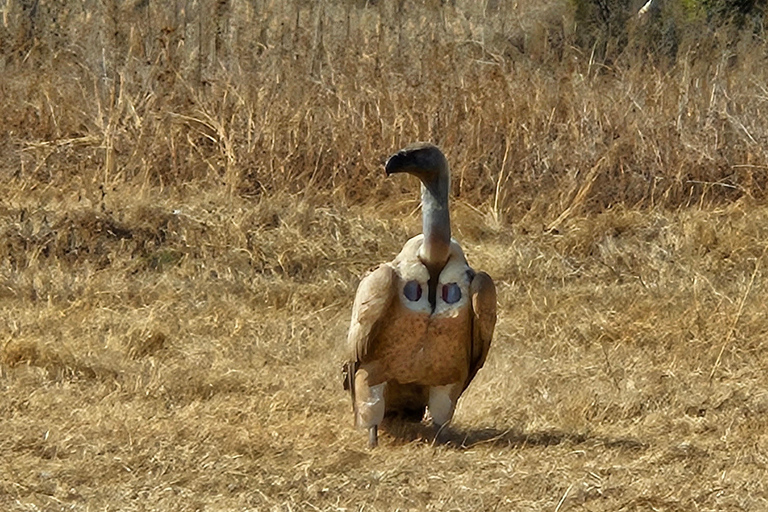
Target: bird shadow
<point>404,432</point>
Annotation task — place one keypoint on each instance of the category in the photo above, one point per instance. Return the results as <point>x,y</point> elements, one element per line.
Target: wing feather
<point>482,293</point>
<point>373,298</point>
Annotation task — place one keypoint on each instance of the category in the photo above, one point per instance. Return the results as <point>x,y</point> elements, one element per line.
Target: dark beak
<point>399,162</point>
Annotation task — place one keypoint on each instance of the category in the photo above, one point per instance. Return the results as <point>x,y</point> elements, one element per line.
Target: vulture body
<point>421,324</point>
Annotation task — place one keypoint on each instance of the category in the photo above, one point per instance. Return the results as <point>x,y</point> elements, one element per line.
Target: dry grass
<point>193,191</point>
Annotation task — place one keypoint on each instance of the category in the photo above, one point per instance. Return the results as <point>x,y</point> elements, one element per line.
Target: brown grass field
<point>192,191</point>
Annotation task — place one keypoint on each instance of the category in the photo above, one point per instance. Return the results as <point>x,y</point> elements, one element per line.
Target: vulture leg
<point>442,403</point>
<point>369,405</point>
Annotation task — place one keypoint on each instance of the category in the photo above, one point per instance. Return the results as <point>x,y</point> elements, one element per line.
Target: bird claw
<point>441,434</point>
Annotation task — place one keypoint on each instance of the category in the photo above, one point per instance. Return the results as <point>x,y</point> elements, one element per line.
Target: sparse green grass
<point>185,220</point>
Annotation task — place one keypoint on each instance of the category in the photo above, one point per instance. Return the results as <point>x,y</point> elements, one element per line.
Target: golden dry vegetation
<point>192,191</point>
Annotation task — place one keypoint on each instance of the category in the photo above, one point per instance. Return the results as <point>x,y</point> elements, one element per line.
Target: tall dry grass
<point>193,189</point>
<point>262,97</point>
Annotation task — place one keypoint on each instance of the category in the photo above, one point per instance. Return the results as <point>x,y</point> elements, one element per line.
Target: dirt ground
<point>627,371</point>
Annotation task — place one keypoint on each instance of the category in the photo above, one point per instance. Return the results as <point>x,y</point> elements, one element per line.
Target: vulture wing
<point>482,294</point>
<point>374,297</point>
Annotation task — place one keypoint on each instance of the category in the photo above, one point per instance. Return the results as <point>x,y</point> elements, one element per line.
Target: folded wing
<point>482,294</point>
<point>374,297</point>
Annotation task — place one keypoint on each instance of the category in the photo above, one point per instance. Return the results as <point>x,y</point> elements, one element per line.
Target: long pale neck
<point>436,224</point>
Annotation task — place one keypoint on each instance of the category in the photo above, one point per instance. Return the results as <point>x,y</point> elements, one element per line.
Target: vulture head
<point>423,160</point>
<point>427,162</point>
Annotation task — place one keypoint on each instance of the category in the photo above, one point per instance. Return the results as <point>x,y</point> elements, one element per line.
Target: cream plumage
<point>421,324</point>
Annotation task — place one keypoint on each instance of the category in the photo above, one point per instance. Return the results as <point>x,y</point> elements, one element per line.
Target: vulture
<point>421,324</point>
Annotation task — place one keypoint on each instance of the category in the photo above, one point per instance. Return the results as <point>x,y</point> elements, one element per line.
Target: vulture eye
<point>451,293</point>
<point>412,291</point>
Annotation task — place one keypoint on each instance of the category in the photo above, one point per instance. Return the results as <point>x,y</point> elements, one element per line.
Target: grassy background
<point>192,191</point>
